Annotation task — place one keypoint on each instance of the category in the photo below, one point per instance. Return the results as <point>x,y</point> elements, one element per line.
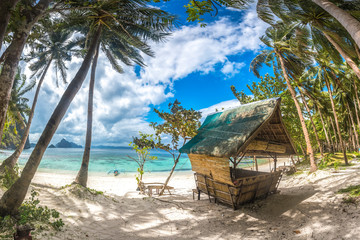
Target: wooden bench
<point>156,186</point>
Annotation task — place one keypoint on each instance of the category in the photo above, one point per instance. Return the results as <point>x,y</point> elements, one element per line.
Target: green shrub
<point>353,190</point>
<point>353,194</point>
<point>10,176</point>
<point>30,213</point>
<point>350,200</point>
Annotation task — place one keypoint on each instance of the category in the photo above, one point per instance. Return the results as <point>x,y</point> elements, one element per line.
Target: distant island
<point>66,144</point>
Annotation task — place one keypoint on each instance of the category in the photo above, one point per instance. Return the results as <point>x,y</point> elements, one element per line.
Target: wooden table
<point>156,186</point>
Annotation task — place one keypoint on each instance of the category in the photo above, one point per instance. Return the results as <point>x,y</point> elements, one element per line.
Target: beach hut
<point>254,129</point>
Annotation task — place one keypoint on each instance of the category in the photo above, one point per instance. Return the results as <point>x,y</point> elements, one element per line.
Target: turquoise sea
<point>103,160</point>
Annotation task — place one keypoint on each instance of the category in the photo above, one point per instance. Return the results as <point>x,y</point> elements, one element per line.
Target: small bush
<point>82,192</point>
<point>30,213</point>
<point>353,194</point>
<point>353,190</point>
<point>350,200</point>
<point>10,176</point>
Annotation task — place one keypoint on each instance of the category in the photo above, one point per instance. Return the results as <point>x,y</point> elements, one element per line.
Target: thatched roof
<point>242,130</point>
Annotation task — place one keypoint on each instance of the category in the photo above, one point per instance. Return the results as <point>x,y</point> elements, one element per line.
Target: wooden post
<point>256,164</point>
<point>293,162</point>
<point>275,160</point>
<point>270,164</point>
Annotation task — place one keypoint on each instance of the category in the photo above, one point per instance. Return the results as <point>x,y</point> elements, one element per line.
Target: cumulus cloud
<point>122,101</point>
<point>230,69</point>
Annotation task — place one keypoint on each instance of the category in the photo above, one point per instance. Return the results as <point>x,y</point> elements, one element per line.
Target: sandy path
<point>306,208</point>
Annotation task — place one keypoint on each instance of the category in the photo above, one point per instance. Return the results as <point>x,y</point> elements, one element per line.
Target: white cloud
<point>122,101</point>
<point>230,69</point>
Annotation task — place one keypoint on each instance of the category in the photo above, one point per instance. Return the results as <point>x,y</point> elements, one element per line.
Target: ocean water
<point>105,160</point>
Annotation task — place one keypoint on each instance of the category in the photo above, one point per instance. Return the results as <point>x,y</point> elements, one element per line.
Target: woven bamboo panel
<point>214,167</point>
<point>247,189</point>
<point>258,145</point>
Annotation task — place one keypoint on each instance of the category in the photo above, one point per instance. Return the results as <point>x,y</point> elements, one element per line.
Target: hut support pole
<point>256,164</point>
<point>238,160</point>
<point>207,188</point>
<point>275,160</point>
<point>293,162</point>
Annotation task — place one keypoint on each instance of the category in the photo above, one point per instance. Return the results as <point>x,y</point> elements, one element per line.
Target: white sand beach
<point>307,207</point>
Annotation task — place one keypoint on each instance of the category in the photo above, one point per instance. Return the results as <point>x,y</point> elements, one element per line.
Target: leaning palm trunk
<point>352,137</point>
<point>5,13</point>
<point>309,148</point>
<point>312,124</point>
<point>347,58</point>
<point>351,24</point>
<point>10,162</point>
<point>353,126</point>
<point>82,175</point>
<point>13,53</point>
<point>336,121</point>
<point>324,128</point>
<point>357,104</point>
<point>336,148</point>
<point>12,198</point>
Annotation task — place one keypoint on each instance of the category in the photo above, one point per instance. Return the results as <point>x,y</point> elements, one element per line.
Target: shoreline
<point>125,183</point>
<point>307,206</point>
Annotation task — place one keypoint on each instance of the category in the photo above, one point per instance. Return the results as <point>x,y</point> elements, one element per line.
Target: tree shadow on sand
<point>295,213</point>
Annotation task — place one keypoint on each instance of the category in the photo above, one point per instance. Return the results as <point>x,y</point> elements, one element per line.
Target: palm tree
<point>28,17</point>
<point>18,105</point>
<point>5,13</point>
<point>116,50</point>
<point>325,73</point>
<point>350,23</point>
<point>126,51</point>
<point>53,47</point>
<point>279,38</point>
<point>311,121</point>
<point>136,22</point>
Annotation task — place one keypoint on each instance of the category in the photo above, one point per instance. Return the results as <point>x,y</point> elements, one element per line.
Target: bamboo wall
<point>213,177</point>
<point>247,189</point>
<point>214,167</point>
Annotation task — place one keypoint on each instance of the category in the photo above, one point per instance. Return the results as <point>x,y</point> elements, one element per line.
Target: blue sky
<point>195,65</point>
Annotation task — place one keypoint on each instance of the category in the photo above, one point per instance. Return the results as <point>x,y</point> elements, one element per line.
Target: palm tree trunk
<point>351,24</point>
<point>336,148</point>
<point>312,123</point>
<point>5,12</point>
<point>13,54</point>
<point>357,102</point>
<point>12,198</point>
<point>357,51</point>
<point>324,127</point>
<point>309,148</point>
<point>347,58</point>
<point>336,121</point>
<point>302,150</point>
<point>351,136</point>
<point>82,175</point>
<point>353,125</point>
<point>10,162</point>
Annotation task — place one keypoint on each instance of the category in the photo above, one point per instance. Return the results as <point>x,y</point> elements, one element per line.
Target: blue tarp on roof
<point>223,133</point>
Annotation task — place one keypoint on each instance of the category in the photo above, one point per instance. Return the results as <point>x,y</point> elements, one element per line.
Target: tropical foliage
<point>180,125</point>
<point>312,47</point>
<point>142,146</point>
